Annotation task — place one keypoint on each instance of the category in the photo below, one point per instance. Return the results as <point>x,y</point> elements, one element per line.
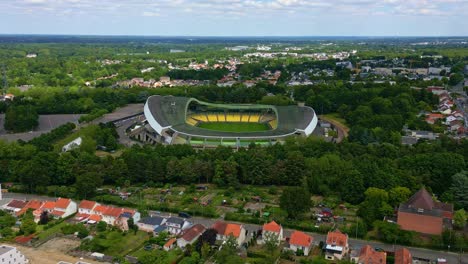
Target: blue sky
<point>236,17</point>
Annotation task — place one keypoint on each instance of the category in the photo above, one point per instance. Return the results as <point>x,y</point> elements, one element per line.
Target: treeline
<point>345,170</point>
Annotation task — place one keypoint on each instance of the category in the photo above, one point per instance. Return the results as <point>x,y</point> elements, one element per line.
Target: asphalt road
<point>451,257</point>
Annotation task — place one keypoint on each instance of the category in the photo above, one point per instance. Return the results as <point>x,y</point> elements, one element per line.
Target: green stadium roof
<point>169,113</point>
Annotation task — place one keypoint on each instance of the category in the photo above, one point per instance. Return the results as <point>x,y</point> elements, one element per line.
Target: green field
<point>235,127</point>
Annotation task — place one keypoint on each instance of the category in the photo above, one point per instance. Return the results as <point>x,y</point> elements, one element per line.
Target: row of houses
<point>89,212</point>
<point>453,119</point>
<point>336,245</point>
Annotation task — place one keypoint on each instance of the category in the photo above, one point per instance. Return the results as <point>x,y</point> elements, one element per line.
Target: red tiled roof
<point>227,229</point>
<point>337,238</point>
<point>57,213</point>
<point>48,205</point>
<point>62,203</point>
<point>94,217</point>
<point>403,256</point>
<point>421,199</point>
<point>100,209</point>
<point>85,204</point>
<point>81,216</point>
<point>170,243</point>
<point>301,239</point>
<point>16,204</point>
<point>33,204</point>
<point>233,230</point>
<point>193,232</point>
<point>113,211</point>
<point>272,227</point>
<point>369,256</point>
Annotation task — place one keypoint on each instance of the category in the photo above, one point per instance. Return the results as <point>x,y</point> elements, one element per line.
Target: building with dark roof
<point>148,224</point>
<point>176,225</point>
<point>190,235</point>
<point>424,215</point>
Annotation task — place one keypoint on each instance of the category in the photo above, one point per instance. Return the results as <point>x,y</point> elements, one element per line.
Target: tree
<point>28,226</point>
<point>87,183</point>
<point>398,195</point>
<point>44,218</point>
<point>131,225</point>
<point>459,219</point>
<point>375,205</point>
<point>271,241</point>
<point>101,226</point>
<point>460,189</point>
<point>208,237</point>
<point>295,201</point>
<point>21,118</point>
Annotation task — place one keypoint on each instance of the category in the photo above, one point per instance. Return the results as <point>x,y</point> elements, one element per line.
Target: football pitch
<point>235,127</point>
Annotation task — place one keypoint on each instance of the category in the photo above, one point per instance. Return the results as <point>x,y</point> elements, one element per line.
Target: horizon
<point>221,18</point>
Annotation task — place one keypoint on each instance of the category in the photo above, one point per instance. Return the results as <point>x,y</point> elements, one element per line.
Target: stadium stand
<point>273,123</point>
<point>255,118</point>
<point>192,121</point>
<point>222,117</point>
<point>212,117</point>
<point>245,117</point>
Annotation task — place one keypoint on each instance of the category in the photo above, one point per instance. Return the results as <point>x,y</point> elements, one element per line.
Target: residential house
<point>148,224</point>
<point>271,230</point>
<point>370,256</point>
<point>336,245</point>
<point>125,215</point>
<point>14,206</point>
<point>64,208</point>
<point>300,241</point>
<point>190,236</point>
<point>224,230</point>
<point>422,214</point>
<point>170,244</point>
<point>433,117</point>
<point>9,254</point>
<point>176,225</point>
<point>32,204</point>
<point>86,207</point>
<point>403,256</point>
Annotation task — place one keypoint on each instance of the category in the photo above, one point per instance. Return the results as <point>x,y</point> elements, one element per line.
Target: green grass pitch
<point>235,127</point>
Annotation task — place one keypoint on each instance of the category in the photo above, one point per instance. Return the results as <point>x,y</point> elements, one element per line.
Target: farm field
<point>235,127</point>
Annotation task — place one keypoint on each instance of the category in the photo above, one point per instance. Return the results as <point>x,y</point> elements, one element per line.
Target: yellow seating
<point>221,117</point>
<point>273,123</point>
<point>192,121</point>
<point>245,118</point>
<point>212,117</point>
<point>200,117</point>
<point>254,118</point>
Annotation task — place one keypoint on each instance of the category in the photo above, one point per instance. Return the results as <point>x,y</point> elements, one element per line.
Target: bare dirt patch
<point>52,252</point>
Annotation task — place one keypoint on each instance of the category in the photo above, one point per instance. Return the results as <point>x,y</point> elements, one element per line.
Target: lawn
<point>235,127</point>
<point>116,243</point>
<point>44,234</point>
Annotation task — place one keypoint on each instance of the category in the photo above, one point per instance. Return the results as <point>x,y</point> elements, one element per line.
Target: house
<point>64,208</point>
<point>424,215</point>
<point>33,205</point>
<point>72,145</point>
<point>224,230</point>
<point>10,254</point>
<point>300,241</point>
<point>175,225</point>
<point>336,245</point>
<point>403,256</point>
<point>110,214</point>
<point>271,229</point>
<point>14,206</point>
<point>148,224</point>
<point>170,244</point>
<point>433,117</point>
<point>368,255</point>
<point>125,215</point>
<point>190,235</point>
<point>86,207</point>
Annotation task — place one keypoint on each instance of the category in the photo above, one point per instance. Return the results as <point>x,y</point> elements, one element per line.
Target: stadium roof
<point>169,112</point>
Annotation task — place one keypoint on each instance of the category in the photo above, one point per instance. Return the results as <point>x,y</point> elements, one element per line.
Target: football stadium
<point>183,120</point>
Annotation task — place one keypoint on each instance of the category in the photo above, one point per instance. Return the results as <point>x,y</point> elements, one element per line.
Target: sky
<point>236,17</point>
